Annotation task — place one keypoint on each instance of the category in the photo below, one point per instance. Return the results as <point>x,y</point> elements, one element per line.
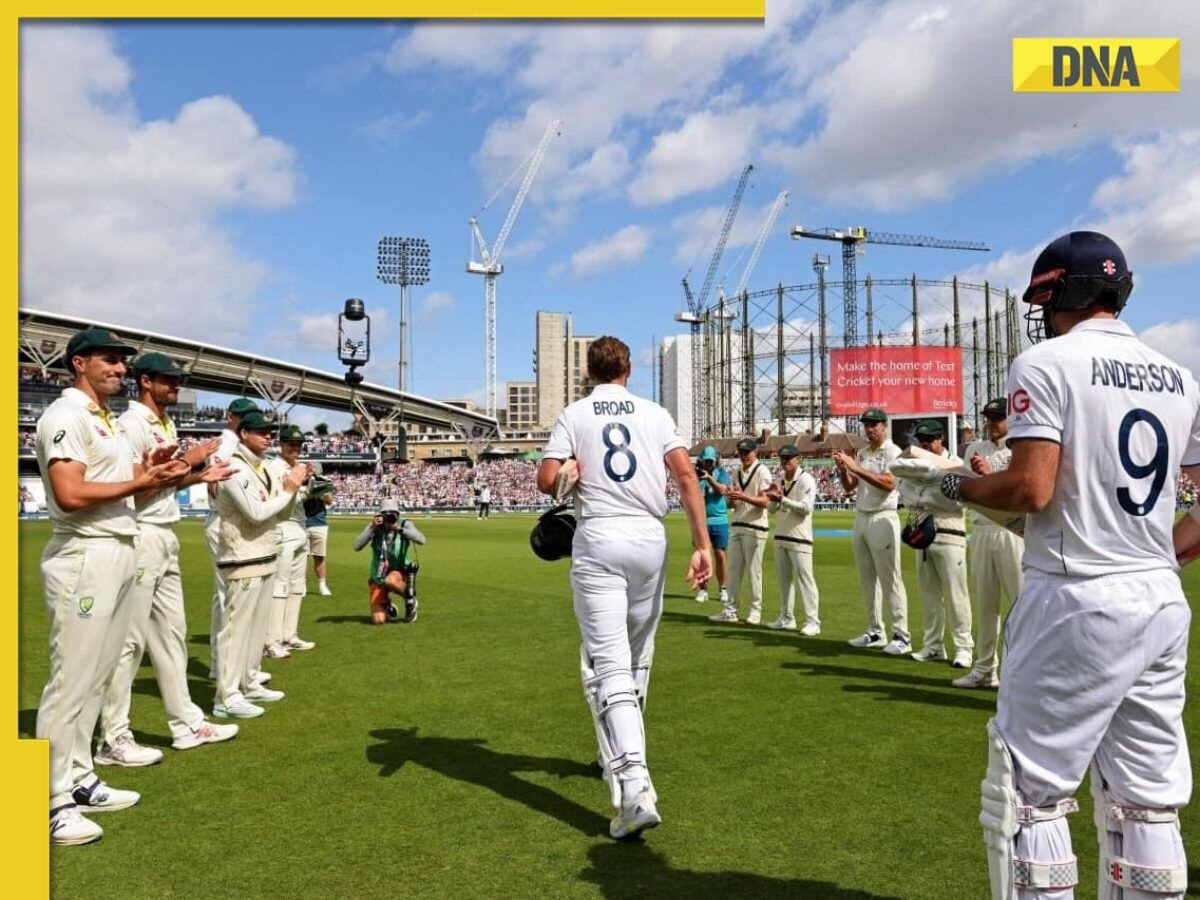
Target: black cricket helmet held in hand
<point>554,533</point>
<point>1075,271</point>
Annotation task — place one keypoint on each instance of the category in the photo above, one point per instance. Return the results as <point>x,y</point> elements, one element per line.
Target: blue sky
<point>229,182</point>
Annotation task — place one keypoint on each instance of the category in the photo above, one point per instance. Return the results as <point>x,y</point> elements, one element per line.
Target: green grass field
<point>453,757</point>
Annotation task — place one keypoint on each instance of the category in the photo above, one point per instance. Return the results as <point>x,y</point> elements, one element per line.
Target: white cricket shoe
<point>930,654</point>
<point>724,598</point>
<point>125,751</point>
<point>240,709</point>
<point>260,677</point>
<point>701,597</point>
<point>69,827</point>
<point>897,646</point>
<point>99,797</point>
<point>962,659</point>
<point>782,624</point>
<point>324,591</point>
<point>295,642</point>
<point>870,640</point>
<point>754,618</point>
<point>263,694</point>
<point>725,615</point>
<point>977,679</point>
<point>276,651</point>
<point>637,814</point>
<point>810,629</point>
<point>207,733</point>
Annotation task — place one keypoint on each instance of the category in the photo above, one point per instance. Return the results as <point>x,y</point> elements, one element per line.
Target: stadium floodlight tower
<point>489,265</point>
<point>354,339</point>
<point>403,261</point>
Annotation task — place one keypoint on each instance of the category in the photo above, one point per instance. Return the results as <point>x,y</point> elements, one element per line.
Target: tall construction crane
<point>763,233</point>
<point>851,238</point>
<point>694,316</point>
<point>489,265</point>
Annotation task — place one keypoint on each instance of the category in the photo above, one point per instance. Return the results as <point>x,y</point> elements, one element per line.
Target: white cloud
<point>620,248</point>
<point>433,307</point>
<point>910,113</point>
<point>387,129</point>
<point>1178,340</point>
<point>1152,209</point>
<point>119,216</point>
<point>705,151</point>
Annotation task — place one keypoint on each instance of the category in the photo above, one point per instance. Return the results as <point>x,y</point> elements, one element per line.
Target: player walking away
<point>877,534</point>
<point>941,566</point>
<point>157,620</point>
<point>1099,426</point>
<point>485,501</point>
<point>88,570</point>
<point>291,568</point>
<point>714,482</point>
<point>794,500</point>
<point>618,560</point>
<point>250,505</point>
<point>748,533</point>
<point>316,524</point>
<point>995,553</point>
<point>238,407</point>
<point>393,567</point>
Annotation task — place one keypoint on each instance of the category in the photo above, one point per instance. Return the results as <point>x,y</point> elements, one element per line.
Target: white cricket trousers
<point>877,557</point>
<point>794,569</point>
<point>212,528</point>
<point>239,647</point>
<point>1094,674</point>
<point>157,623</point>
<point>86,583</point>
<point>995,562</point>
<point>746,548</point>
<point>618,566</point>
<point>942,578</point>
<point>291,572</point>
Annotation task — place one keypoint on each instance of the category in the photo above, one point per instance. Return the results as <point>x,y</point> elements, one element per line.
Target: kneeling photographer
<point>393,566</point>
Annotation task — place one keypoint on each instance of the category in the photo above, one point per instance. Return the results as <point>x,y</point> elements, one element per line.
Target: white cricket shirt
<point>1126,418</point>
<point>146,433</point>
<point>619,441</point>
<point>74,427</point>
<point>752,480</point>
<point>870,499</point>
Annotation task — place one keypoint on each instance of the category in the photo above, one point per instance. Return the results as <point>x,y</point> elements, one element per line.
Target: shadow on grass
<point>902,686</point>
<point>27,722</point>
<point>347,620</point>
<point>630,869</point>
<point>470,761</point>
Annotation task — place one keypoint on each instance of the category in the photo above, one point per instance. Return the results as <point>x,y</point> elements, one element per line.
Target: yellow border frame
<point>25,762</point>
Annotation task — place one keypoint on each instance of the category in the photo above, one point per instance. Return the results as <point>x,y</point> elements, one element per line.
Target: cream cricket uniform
<point>748,532</point>
<point>877,544</point>
<point>794,548</point>
<point>1097,641</point>
<point>212,527</point>
<point>88,570</point>
<point>942,567</point>
<point>291,569</point>
<point>619,554</point>
<point>157,620</point>
<point>250,503</point>
<point>995,563</point>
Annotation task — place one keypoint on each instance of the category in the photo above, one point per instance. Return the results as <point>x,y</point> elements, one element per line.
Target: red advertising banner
<point>899,380</point>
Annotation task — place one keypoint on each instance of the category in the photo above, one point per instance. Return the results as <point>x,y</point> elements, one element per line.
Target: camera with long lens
<point>390,519</point>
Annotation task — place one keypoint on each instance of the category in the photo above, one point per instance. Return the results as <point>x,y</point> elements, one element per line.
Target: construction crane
<point>694,316</point>
<point>851,238</point>
<point>763,234</point>
<point>489,265</point>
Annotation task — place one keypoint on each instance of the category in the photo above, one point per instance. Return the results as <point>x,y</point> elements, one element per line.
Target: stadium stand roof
<point>43,336</point>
